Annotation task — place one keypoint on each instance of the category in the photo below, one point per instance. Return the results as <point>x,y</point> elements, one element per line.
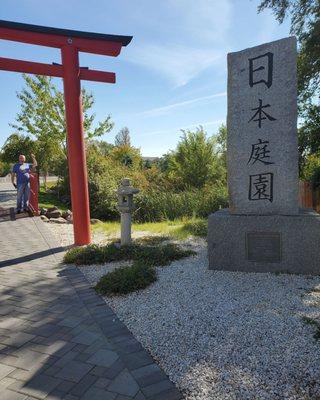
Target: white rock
<point>226,335</point>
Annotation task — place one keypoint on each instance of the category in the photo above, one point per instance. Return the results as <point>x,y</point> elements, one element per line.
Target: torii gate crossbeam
<point>70,43</point>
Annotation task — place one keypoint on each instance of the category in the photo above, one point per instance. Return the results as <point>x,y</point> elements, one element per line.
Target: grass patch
<point>315,324</point>
<point>178,229</point>
<point>48,199</point>
<point>127,279</point>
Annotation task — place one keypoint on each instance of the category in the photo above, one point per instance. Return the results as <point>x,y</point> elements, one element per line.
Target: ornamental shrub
<point>126,279</point>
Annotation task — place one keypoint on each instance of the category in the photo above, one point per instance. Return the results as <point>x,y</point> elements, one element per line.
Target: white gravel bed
<point>94,272</point>
<point>227,335</point>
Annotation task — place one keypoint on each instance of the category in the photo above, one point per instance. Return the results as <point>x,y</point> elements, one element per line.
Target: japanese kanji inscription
<point>263,229</point>
<point>262,137</point>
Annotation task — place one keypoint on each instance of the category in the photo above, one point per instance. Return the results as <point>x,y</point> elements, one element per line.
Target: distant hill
<point>151,159</point>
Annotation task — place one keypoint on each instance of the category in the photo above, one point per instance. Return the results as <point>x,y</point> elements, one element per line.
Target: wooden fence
<point>309,198</point>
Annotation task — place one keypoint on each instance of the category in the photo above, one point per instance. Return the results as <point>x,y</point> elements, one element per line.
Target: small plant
<point>315,324</point>
<point>83,255</point>
<point>160,255</point>
<point>126,279</point>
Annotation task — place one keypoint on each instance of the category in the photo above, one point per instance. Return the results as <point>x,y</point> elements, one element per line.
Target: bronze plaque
<point>263,247</point>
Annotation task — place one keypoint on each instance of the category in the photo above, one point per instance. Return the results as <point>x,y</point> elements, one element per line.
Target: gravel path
<point>227,335</point>
<point>64,233</point>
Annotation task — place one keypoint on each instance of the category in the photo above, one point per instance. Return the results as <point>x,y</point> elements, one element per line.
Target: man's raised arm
<point>34,162</point>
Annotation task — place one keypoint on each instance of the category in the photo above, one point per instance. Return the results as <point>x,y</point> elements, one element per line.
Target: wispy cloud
<point>177,63</point>
<point>166,109</point>
<point>194,38</point>
<point>216,122</point>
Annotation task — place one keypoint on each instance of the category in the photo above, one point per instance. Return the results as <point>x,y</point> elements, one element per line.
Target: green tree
<point>127,155</point>
<point>311,169</point>
<point>123,138</point>
<point>221,140</point>
<point>195,159</point>
<point>42,116</point>
<point>101,146</point>
<point>165,162</point>
<point>5,168</point>
<point>15,145</point>
<point>305,24</point>
<point>309,134</point>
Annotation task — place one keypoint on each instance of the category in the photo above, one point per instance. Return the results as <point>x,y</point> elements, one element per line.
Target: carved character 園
<point>261,187</point>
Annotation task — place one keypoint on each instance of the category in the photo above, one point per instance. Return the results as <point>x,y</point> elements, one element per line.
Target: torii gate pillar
<point>70,43</point>
<point>76,146</point>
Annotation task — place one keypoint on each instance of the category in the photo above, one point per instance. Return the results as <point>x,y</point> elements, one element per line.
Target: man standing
<point>22,172</point>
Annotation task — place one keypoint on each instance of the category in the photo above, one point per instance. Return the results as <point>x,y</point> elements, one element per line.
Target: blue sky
<point>172,76</point>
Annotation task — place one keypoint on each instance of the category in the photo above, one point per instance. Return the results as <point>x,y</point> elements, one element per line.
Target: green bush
<point>162,196</point>
<point>151,255</point>
<point>94,254</point>
<point>126,279</point>
<point>91,254</point>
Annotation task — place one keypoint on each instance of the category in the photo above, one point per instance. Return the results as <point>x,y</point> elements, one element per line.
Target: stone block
<point>124,384</point>
<point>59,220</point>
<point>74,371</point>
<point>5,370</point>
<point>53,213</point>
<point>262,143</point>
<point>103,358</point>
<point>265,243</point>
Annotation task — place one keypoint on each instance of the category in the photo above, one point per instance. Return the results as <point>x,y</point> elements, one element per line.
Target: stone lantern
<point>125,194</point>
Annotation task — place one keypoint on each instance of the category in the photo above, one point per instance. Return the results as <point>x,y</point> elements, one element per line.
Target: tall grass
<point>160,206</point>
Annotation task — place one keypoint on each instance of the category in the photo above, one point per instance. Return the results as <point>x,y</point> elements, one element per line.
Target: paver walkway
<point>58,338</point>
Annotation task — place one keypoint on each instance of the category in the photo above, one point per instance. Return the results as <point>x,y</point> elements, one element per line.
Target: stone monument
<point>263,230</point>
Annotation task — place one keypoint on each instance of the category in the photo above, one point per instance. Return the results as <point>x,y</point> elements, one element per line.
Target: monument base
<point>265,243</point>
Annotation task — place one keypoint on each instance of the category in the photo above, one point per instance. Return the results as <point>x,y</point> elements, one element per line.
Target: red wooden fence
<point>308,197</point>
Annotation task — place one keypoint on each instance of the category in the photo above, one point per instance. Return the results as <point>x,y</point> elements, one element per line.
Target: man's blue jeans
<point>23,196</point>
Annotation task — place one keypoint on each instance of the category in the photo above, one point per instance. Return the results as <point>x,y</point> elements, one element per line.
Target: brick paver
<point>58,338</point>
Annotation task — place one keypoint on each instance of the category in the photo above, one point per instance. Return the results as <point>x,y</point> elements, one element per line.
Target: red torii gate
<point>70,43</point>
